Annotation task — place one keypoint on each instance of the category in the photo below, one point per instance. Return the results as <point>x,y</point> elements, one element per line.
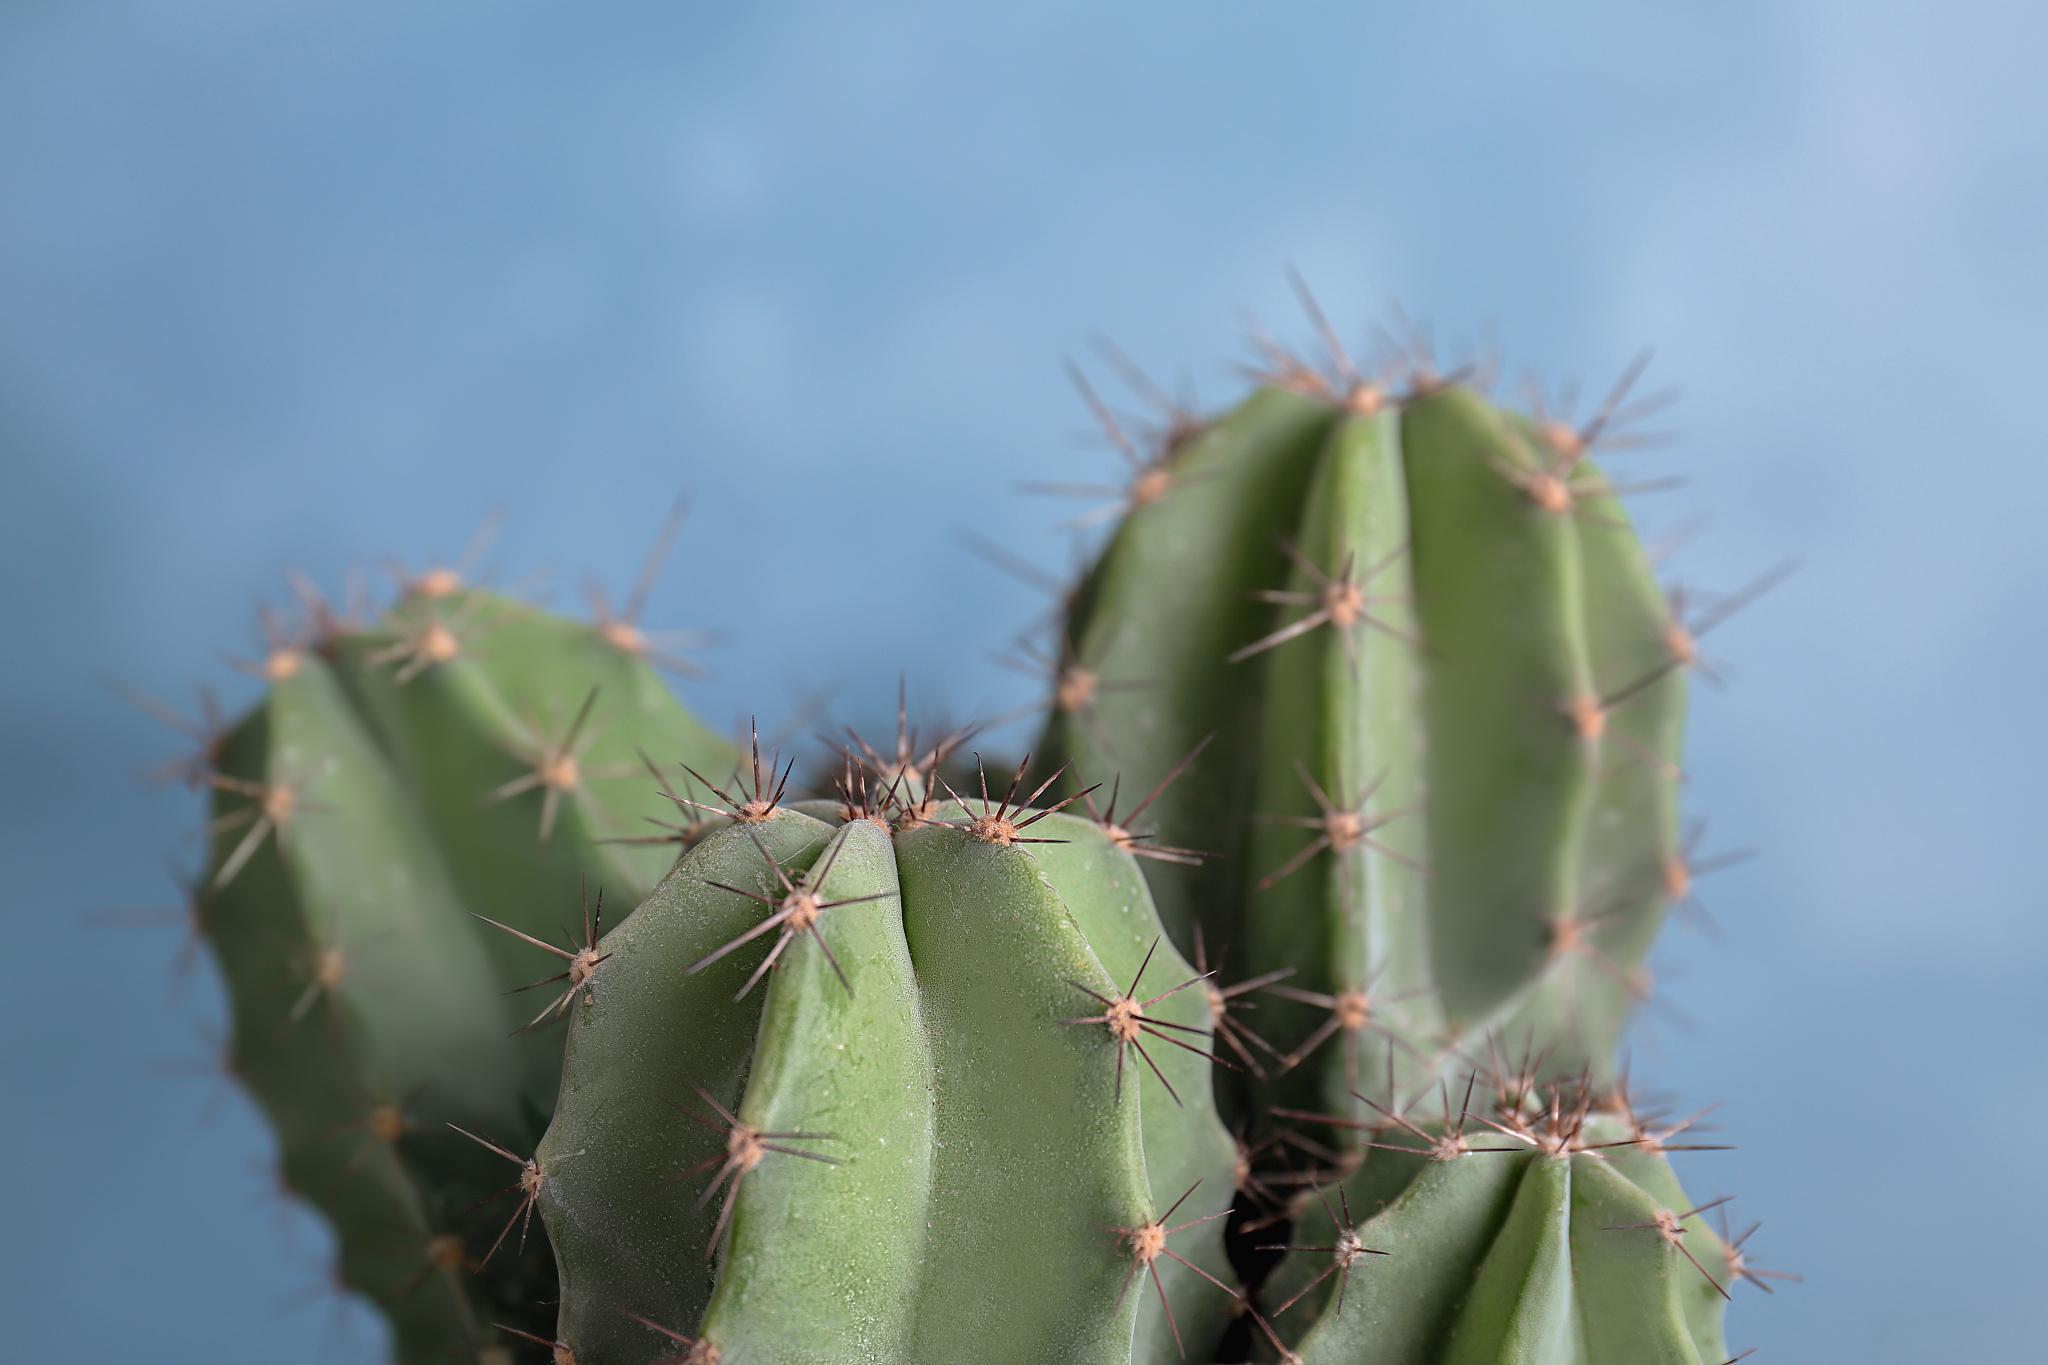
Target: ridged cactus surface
<point>1441,697</point>
<point>1508,1222</point>
<point>922,1084</point>
<point>467,757</point>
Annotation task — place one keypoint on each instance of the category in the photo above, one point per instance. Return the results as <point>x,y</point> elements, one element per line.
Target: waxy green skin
<point>390,853</point>
<point>1501,1257</point>
<point>984,1153</point>
<point>1519,872</point>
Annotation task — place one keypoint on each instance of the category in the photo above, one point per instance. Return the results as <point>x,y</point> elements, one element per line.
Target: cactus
<point>910,1080</point>
<point>406,813</point>
<point>1442,698</point>
<point>911,1076</point>
<point>1414,701</point>
<point>1541,1225</point>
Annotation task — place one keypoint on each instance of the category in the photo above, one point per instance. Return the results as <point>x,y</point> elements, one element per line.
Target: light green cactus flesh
<point>467,757</point>
<point>1546,1231</point>
<point>1445,700</point>
<point>919,1135</point>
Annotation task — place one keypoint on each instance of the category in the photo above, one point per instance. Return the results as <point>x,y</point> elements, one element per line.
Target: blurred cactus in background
<point>412,806</point>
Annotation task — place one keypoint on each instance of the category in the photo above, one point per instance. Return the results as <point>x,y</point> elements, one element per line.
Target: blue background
<point>294,285</point>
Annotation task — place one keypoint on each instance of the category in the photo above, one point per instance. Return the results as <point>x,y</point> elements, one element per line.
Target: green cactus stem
<point>1516,1224</point>
<point>917,1079</point>
<point>410,808</point>
<point>1442,699</point>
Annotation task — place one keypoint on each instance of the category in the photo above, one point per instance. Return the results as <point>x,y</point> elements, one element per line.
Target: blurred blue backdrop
<point>287,285</point>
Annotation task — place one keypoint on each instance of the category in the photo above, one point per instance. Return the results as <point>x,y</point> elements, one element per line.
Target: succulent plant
<point>1414,701</point>
<point>1388,706</point>
<point>1529,1222</point>
<point>1439,698</point>
<point>915,1081</point>
<point>399,828</point>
